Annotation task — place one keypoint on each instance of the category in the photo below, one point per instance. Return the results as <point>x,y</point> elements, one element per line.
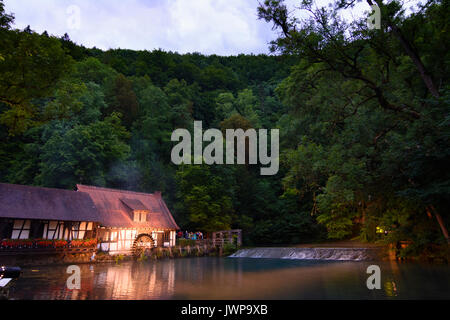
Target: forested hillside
<point>363,118</point>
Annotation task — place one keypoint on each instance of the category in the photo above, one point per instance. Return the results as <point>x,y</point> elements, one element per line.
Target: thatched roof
<point>25,202</point>
<point>134,204</point>
<point>115,208</point>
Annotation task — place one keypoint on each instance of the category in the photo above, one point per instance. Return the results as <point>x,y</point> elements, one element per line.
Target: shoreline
<point>27,259</point>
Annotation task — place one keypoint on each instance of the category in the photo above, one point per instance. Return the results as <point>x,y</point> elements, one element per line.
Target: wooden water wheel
<point>143,243</point>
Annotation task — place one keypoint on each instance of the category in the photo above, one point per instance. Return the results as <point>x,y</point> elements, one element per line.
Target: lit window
<point>140,216</point>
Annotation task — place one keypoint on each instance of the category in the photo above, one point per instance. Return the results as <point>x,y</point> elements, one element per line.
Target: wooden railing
<point>219,239</point>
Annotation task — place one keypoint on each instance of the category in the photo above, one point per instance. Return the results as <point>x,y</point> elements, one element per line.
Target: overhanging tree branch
<point>410,51</point>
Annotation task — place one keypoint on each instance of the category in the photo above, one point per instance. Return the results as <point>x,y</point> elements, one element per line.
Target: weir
<point>342,254</point>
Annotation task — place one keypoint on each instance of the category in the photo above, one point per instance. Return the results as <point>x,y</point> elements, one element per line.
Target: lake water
<point>236,278</point>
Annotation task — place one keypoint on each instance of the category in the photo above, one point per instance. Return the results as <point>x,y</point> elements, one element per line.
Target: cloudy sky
<point>224,27</point>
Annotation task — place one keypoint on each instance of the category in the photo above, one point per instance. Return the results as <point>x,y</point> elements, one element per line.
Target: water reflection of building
<point>127,281</point>
<point>50,283</point>
<point>137,281</point>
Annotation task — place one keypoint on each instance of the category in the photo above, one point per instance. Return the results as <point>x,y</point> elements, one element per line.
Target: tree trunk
<point>441,224</point>
<point>426,78</point>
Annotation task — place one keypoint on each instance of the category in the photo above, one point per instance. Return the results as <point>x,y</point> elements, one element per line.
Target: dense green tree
<point>179,96</point>
<point>244,105</point>
<point>5,18</point>
<point>83,153</point>
<point>92,70</point>
<point>364,107</point>
<point>122,98</point>
<point>206,195</point>
<point>30,66</point>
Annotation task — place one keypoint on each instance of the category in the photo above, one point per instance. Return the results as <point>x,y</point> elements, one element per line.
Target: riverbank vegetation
<point>363,118</point>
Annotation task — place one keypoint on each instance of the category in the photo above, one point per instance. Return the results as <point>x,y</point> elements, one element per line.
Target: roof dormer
<point>138,210</point>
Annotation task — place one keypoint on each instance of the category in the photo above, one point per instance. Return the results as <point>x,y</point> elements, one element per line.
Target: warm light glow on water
<point>236,278</point>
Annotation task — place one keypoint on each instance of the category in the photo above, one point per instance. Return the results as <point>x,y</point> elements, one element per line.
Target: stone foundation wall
<point>37,259</point>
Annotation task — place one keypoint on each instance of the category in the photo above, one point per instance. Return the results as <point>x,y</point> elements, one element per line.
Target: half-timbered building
<point>121,221</point>
<point>43,213</point>
<point>131,220</point>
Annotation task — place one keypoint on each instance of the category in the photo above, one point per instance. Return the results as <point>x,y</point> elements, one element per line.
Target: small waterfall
<point>342,254</point>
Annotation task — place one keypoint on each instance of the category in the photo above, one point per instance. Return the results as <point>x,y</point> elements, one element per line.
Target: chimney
<point>157,193</point>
